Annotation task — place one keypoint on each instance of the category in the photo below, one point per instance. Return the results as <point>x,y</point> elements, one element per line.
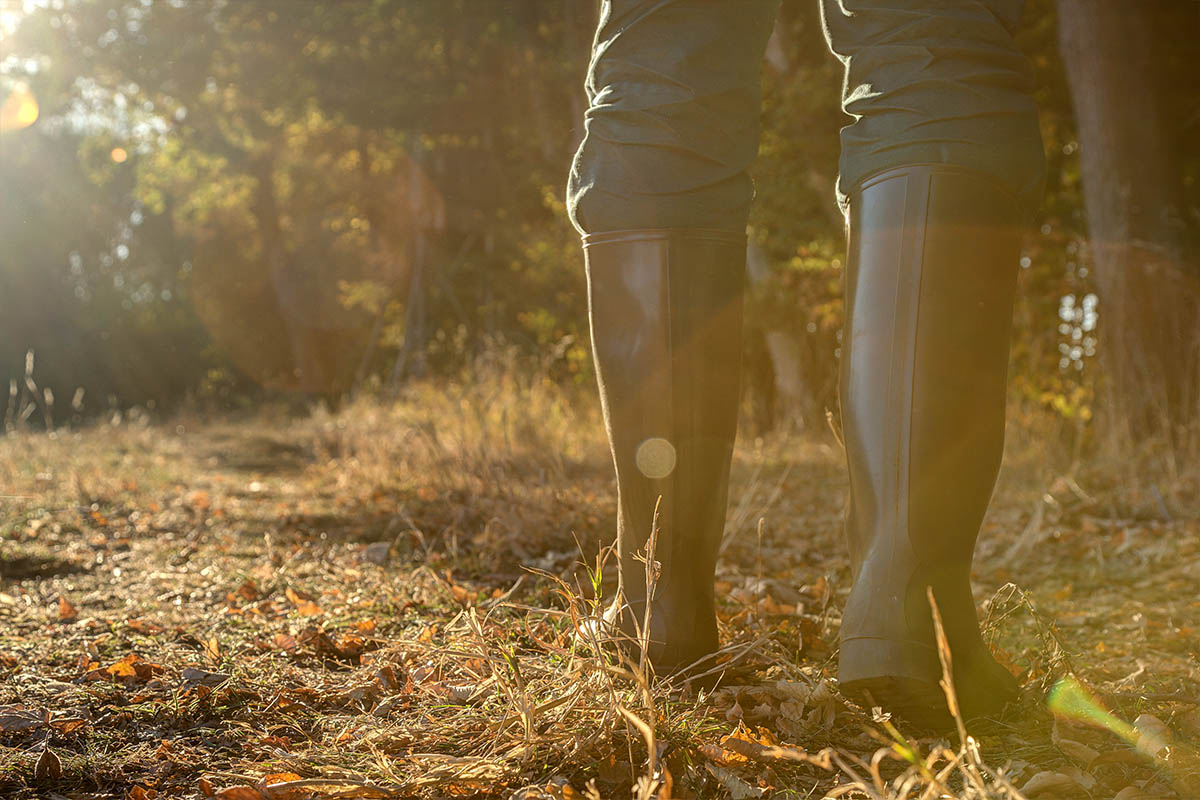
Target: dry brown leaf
<point>1132,793</point>
<point>280,777</point>
<point>1076,751</point>
<point>1153,734</point>
<point>130,669</point>
<point>286,642</point>
<point>14,719</point>
<point>141,626</point>
<point>738,789</point>
<point>69,725</point>
<point>66,610</point>
<point>1047,784</point>
<point>386,678</point>
<point>211,648</point>
<point>123,669</point>
<point>49,767</point>
<point>275,787</point>
<point>241,793</point>
<point>202,677</point>
<point>139,792</point>
<point>205,786</point>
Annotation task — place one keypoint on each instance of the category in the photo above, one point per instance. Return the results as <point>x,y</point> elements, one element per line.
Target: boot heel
<point>866,659</point>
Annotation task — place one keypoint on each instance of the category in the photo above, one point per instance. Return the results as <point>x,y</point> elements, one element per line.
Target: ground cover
<point>380,602</point>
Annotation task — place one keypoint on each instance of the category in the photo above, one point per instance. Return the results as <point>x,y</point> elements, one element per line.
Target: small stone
<point>378,552</point>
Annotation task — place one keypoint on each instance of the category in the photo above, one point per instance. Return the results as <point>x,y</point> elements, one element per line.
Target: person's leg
<point>660,191</point>
<point>938,171</point>
<point>936,82</point>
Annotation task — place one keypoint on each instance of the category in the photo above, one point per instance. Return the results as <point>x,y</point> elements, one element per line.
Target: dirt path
<point>186,610</point>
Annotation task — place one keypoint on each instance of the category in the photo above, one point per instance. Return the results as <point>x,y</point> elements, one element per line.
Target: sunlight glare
<point>19,110</point>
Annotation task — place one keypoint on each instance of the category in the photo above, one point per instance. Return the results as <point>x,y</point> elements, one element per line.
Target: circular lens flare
<point>19,110</point>
<point>655,457</point>
<point>118,155</point>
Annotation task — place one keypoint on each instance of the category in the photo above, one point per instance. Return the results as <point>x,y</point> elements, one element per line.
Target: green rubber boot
<point>666,320</point>
<point>931,275</point>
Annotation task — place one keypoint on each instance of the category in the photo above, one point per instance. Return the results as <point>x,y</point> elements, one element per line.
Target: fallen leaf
<point>49,767</point>
<point>19,719</point>
<point>1076,751</point>
<point>286,642</point>
<point>194,676</point>
<point>241,793</point>
<point>122,669</point>
<point>129,669</point>
<point>738,789</point>
<point>280,777</point>
<point>69,725</point>
<point>304,604</point>
<point>66,610</point>
<point>211,647</point>
<point>1131,793</point>
<point>1153,734</point>
<point>1047,783</point>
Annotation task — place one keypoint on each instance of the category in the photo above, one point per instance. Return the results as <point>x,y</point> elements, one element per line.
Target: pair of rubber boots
<point>930,279</point>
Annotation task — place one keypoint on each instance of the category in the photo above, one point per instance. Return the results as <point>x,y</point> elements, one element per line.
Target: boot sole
<point>904,678</point>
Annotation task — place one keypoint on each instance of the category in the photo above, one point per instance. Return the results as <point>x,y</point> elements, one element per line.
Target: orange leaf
<point>297,597</point>
<point>304,604</point>
<point>280,777</point>
<point>241,793</point>
<point>68,725</point>
<point>205,786</point>
<point>124,668</point>
<point>66,609</point>
<point>308,609</point>
<point>212,648</point>
<point>141,626</point>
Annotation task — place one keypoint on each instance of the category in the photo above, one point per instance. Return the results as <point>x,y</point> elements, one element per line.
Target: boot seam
<point>659,234</point>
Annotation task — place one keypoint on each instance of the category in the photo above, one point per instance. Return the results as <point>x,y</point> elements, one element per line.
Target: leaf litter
<point>361,623</point>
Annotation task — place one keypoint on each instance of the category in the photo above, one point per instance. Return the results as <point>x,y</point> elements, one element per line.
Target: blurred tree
<point>1131,113</point>
<point>313,196</point>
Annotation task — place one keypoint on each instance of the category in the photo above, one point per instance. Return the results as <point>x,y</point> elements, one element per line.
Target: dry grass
<point>382,602</point>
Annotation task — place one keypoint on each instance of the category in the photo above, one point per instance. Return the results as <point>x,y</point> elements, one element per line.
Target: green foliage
<point>374,187</point>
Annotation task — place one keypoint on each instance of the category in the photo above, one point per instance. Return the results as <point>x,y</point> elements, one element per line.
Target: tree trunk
<point>1132,186</point>
<point>791,393</point>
